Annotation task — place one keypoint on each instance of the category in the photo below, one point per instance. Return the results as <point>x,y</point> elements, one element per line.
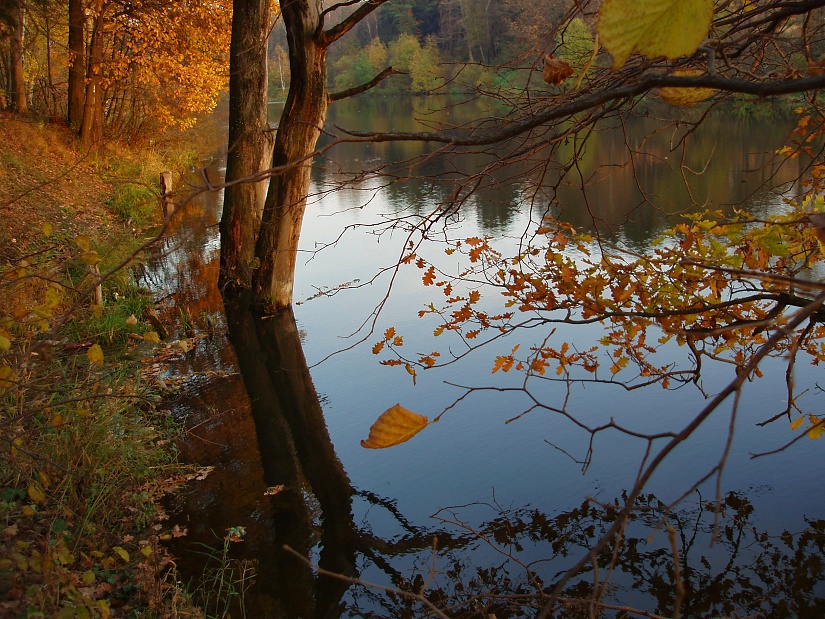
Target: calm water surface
<point>286,403</point>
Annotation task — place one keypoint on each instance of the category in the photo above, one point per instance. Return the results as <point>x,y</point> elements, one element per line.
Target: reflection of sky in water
<point>471,454</point>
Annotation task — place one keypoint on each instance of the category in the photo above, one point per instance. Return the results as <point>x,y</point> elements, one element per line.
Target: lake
<point>488,506</point>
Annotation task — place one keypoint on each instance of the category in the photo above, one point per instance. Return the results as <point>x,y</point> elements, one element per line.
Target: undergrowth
<point>85,455</point>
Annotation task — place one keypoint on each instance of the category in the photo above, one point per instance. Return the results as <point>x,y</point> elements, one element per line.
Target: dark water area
<point>475,507</point>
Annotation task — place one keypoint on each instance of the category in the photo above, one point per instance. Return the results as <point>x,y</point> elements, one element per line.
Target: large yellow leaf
<point>395,425</point>
<point>669,28</point>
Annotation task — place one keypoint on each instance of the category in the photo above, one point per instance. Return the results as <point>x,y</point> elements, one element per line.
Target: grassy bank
<point>84,457</point>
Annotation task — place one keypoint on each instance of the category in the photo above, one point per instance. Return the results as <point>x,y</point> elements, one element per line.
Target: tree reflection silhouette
<point>485,559</point>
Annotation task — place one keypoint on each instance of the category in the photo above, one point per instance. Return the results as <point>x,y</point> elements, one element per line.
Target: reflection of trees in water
<point>487,560</point>
<point>745,573</point>
<point>632,174</point>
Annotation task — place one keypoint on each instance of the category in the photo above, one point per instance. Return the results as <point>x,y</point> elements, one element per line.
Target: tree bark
<point>17,81</point>
<point>91,127</point>
<point>77,66</point>
<point>298,132</point>
<point>250,145</point>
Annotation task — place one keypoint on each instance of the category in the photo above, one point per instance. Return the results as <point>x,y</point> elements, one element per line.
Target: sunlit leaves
<point>815,428</point>
<point>395,425</point>
<point>654,28</point>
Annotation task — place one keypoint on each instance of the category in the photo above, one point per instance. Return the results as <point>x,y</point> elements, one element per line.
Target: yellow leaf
<point>83,242</point>
<point>88,577</point>
<point>5,344</point>
<point>151,336</point>
<point>146,550</point>
<point>95,354</point>
<point>654,28</point>
<point>46,228</point>
<point>121,553</point>
<point>6,377</point>
<point>411,371</point>
<point>131,320</point>
<point>685,97</point>
<point>52,297</point>
<point>797,423</point>
<point>90,257</point>
<point>97,311</point>
<point>395,425</point>
<point>105,609</point>
<point>36,493</point>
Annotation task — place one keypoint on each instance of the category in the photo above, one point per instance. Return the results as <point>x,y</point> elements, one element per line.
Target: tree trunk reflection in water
<point>296,451</point>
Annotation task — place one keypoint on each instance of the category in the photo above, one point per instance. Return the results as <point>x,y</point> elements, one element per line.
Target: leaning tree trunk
<point>250,144</point>
<point>298,132</point>
<point>77,68</point>
<point>18,83</point>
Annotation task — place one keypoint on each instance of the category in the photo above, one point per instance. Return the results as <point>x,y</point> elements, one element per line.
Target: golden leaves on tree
<point>653,28</point>
<point>395,425</point>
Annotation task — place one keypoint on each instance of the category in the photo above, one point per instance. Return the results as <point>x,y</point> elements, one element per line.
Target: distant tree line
<point>451,45</point>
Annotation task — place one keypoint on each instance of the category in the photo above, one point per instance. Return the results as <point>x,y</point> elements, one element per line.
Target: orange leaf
<point>555,70</point>
<point>429,276</point>
<point>395,425</point>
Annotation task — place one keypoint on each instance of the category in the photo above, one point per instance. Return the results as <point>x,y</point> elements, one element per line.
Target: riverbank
<point>85,455</point>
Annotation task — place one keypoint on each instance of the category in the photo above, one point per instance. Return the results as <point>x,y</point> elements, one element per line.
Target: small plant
<point>224,582</point>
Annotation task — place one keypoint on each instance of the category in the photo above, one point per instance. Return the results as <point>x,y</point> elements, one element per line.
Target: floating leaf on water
<point>395,425</point>
<point>654,28</point>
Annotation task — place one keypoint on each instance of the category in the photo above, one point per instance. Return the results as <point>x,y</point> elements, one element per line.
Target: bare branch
<point>329,37</point>
<point>356,90</point>
<point>761,89</point>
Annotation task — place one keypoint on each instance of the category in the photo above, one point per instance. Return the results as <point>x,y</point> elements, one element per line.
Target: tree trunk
<point>17,82</point>
<point>298,132</point>
<point>77,66</point>
<point>250,144</point>
<point>91,127</point>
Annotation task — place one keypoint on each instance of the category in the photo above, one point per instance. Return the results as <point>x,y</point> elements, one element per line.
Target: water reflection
<point>639,171</point>
<point>251,409</point>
